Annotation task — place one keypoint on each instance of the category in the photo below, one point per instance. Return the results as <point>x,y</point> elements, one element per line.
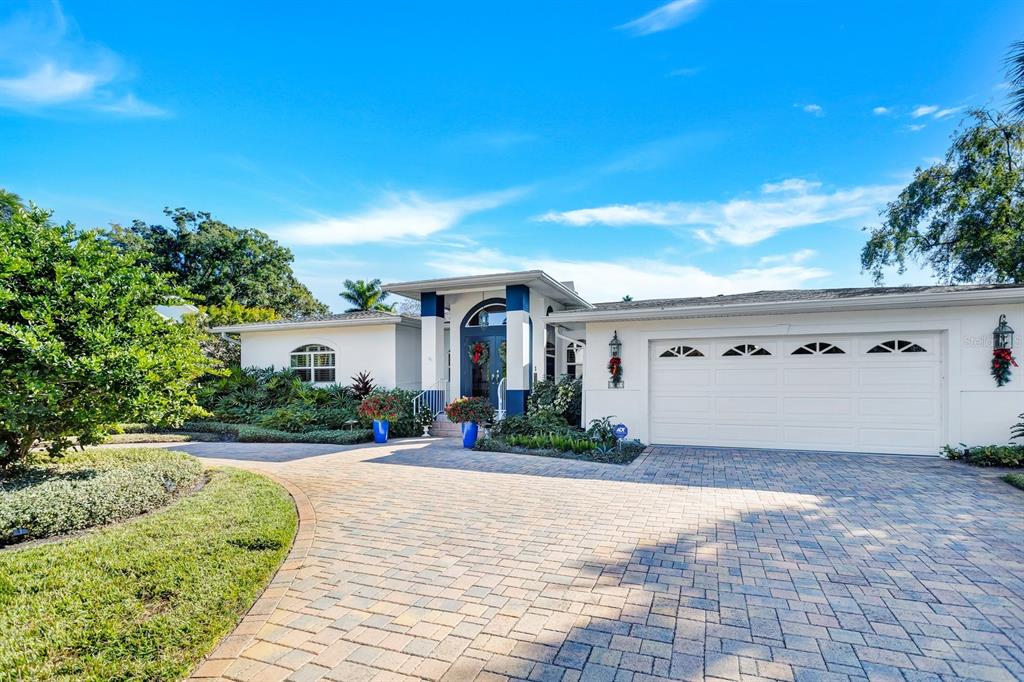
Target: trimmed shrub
<point>987,455</point>
<point>89,489</point>
<point>552,442</point>
<point>255,434</point>
<point>1016,480</point>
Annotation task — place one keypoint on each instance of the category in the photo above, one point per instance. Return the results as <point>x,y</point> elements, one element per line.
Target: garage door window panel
<point>746,350</point>
<point>897,346</point>
<point>819,348</point>
<point>681,352</point>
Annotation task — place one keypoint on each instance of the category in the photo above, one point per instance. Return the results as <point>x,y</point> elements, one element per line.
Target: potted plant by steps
<point>471,413</point>
<point>382,408</point>
<point>425,419</point>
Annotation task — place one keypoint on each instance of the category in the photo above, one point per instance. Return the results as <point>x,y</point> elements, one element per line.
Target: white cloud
<point>789,185</point>
<point>45,63</point>
<point>881,111</point>
<point>641,278</point>
<point>924,110</point>
<point>785,205</point>
<point>400,216</point>
<point>667,16</point>
<point>813,109</point>
<point>788,258</point>
<point>949,111</point>
<point>915,127</point>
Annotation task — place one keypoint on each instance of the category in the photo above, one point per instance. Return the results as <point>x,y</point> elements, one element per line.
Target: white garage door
<point>854,393</point>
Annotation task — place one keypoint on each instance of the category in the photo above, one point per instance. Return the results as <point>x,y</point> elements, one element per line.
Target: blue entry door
<point>481,379</point>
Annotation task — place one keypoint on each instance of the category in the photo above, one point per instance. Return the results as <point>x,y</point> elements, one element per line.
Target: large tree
<point>963,216</point>
<point>1015,72</point>
<point>363,295</point>
<point>81,343</point>
<point>220,263</point>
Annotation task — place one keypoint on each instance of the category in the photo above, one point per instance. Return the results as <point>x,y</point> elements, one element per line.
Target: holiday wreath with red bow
<point>1002,360</point>
<point>479,353</point>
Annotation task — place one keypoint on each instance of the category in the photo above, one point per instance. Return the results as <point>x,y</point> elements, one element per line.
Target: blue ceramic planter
<point>470,431</point>
<point>380,430</point>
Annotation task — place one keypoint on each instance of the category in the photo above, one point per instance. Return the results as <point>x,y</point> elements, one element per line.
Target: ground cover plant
<point>91,488</point>
<point>987,455</point>
<point>1016,480</point>
<point>148,598</point>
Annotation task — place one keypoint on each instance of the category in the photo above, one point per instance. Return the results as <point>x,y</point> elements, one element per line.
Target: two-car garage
<point>854,392</point>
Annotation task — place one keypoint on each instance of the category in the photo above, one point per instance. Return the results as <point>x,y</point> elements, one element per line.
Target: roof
<point>790,300</point>
<point>538,280</point>
<point>353,319</point>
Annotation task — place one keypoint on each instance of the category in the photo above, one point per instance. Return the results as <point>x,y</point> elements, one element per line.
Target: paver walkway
<point>430,562</point>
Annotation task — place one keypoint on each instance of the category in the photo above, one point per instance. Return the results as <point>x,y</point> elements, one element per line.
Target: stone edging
<point>229,648</point>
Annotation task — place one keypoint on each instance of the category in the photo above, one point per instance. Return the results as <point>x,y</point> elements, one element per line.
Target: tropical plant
<point>552,442</point>
<point>538,422</point>
<point>1017,431</point>
<point>362,385</point>
<point>963,216</point>
<point>83,347</point>
<point>564,397</point>
<point>1015,73</point>
<point>365,295</point>
<point>602,431</point>
<point>219,263</point>
<point>463,410</point>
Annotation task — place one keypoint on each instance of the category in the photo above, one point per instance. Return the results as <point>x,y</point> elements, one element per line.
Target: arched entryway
<point>483,349</point>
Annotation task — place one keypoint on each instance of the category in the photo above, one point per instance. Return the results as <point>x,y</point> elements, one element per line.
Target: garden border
<point>233,644</point>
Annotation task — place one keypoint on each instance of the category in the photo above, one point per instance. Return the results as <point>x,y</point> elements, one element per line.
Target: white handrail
<point>434,397</point>
<point>501,400</point>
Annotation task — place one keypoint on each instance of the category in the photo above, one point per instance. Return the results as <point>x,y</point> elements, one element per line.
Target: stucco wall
<point>365,348</point>
<point>975,411</point>
<point>407,359</point>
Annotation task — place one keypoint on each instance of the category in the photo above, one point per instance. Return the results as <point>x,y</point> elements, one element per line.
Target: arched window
<point>314,363</point>
<point>574,360</point>
<point>491,315</point>
<point>818,348</point>
<point>681,352</point>
<point>745,349</point>
<point>897,346</point>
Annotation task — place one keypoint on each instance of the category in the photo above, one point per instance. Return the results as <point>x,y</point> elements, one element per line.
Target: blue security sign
<point>620,431</point>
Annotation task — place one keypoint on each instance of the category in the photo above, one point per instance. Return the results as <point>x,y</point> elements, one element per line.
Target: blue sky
<point>690,148</point>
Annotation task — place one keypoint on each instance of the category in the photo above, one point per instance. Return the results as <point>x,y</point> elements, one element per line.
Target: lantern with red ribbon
<point>1002,352</point>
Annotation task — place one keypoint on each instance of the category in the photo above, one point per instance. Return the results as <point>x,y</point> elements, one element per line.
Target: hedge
<point>256,434</point>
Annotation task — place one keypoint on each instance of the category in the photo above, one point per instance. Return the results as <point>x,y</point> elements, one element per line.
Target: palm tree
<point>365,295</point>
<point>1015,72</point>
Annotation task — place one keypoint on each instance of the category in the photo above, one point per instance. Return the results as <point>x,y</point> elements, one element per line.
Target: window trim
<point>310,352</point>
<point>475,315</point>
<point>576,349</point>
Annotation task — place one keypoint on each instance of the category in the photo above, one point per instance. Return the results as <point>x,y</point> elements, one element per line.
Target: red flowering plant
<point>615,369</point>
<point>1002,360</point>
<point>382,406</point>
<point>464,410</point>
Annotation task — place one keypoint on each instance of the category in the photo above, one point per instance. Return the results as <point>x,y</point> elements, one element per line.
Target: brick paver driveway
<point>429,562</point>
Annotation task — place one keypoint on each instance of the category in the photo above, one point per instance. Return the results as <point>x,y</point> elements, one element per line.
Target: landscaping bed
<point>243,433</point>
<point>148,598</point>
<point>1016,480</point>
<point>619,455</point>
<point>91,488</point>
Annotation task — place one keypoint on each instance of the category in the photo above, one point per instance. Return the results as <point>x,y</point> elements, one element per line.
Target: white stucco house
<point>899,370</point>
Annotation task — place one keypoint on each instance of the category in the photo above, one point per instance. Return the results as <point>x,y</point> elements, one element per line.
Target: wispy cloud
<point>813,109</point>
<point>881,111</point>
<point>407,215</point>
<point>607,280</point>
<point>785,205</point>
<point>933,110</point>
<point>663,18</point>
<point>45,64</point>
<point>916,127</point>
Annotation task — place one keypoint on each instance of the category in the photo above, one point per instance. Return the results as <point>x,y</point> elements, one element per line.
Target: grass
<point>1016,480</point>
<point>147,599</point>
<point>243,433</point>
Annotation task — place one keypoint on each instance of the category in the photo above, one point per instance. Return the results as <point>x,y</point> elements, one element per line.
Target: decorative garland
<point>1002,360</point>
<point>615,369</point>
<point>479,353</point>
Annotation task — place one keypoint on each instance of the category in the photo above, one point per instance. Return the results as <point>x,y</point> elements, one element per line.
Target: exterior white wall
<point>407,356</point>
<point>370,348</point>
<point>975,411</point>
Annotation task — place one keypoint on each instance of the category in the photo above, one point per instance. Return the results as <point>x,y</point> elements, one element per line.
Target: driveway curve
<point>419,560</point>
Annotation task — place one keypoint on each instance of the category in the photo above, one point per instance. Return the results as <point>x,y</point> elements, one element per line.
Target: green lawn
<point>1016,480</point>
<point>144,600</point>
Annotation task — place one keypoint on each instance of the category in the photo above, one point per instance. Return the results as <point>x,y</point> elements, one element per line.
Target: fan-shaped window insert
<point>489,316</point>
<point>897,346</point>
<point>745,349</point>
<point>313,363</point>
<point>681,352</point>
<point>819,348</point>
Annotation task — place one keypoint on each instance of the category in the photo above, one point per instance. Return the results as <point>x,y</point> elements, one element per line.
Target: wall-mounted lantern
<point>1002,336</point>
<point>615,362</point>
<point>1002,352</point>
